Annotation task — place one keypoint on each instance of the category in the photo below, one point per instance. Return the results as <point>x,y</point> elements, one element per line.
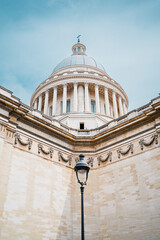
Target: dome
<point>79,58</point>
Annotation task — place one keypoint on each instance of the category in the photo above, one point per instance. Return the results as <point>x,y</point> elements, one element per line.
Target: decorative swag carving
<point>23,142</point>
<point>121,152</point>
<point>68,159</point>
<point>154,138</point>
<point>90,161</point>
<point>48,151</point>
<point>108,157</point>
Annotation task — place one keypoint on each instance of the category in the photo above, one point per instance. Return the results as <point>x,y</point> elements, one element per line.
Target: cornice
<point>117,126</point>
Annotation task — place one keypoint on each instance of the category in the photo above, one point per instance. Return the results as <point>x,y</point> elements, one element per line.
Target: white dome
<point>79,58</point>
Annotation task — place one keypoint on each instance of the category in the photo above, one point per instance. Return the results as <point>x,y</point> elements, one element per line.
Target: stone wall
<point>39,193</point>
<point>122,199</point>
<point>35,196</point>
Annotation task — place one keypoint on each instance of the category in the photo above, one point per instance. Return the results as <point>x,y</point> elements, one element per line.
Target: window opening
<point>81,125</point>
<point>104,109</point>
<point>68,106</point>
<point>50,111</point>
<point>61,106</point>
<point>93,106</point>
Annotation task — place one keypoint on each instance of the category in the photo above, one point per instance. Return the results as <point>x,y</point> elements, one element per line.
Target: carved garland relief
<point>143,143</point>
<point>61,157</point>
<point>43,150</point>
<point>90,160</point>
<point>23,142</point>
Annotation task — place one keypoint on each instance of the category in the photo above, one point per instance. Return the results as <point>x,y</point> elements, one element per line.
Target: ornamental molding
<point>77,159</point>
<point>23,142</point>
<point>90,161</point>
<point>108,157</point>
<point>68,159</point>
<point>44,150</point>
<point>143,143</point>
<point>124,152</point>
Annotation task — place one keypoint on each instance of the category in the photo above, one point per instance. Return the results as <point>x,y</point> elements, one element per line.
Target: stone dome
<point>79,93</point>
<point>79,58</point>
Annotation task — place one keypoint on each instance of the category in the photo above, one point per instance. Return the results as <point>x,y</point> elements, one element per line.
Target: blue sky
<point>123,35</point>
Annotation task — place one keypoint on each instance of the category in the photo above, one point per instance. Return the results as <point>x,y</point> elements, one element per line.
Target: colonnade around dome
<point>80,97</point>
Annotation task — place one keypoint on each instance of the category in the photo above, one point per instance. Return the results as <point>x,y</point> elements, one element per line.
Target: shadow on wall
<point>67,223</point>
<point>70,224</point>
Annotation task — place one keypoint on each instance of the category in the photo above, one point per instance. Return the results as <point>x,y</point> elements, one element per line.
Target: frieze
<point>68,159</point>
<point>45,151</point>
<point>90,161</point>
<point>143,143</point>
<point>23,142</point>
<point>108,157</point>
<point>122,152</point>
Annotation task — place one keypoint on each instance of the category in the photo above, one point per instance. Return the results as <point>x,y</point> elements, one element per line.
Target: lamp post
<point>82,170</point>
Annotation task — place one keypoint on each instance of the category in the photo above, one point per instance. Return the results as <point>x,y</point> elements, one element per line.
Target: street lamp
<point>82,170</point>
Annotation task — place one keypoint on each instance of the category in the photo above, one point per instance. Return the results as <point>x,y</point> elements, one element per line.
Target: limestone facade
<point>79,109</point>
<point>39,194</point>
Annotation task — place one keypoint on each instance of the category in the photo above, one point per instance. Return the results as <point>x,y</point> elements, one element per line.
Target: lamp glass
<point>82,175</point>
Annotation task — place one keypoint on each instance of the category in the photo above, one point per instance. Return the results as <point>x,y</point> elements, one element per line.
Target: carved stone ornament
<point>43,150</point>
<point>68,159</point>
<point>90,161</point>
<point>108,157</point>
<point>23,142</point>
<point>154,138</point>
<point>121,152</point>
<point>76,159</point>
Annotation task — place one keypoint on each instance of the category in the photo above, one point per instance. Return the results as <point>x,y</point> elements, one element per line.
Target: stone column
<point>35,103</point>
<point>97,98</point>
<point>54,103</point>
<point>115,110</point>
<point>75,97</point>
<point>64,97</point>
<point>107,102</point>
<point>120,105</point>
<point>46,102</point>
<point>80,98</point>
<point>40,103</point>
<point>124,107</point>
<point>86,98</point>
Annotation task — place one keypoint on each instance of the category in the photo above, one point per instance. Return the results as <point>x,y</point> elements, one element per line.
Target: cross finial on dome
<point>78,38</point>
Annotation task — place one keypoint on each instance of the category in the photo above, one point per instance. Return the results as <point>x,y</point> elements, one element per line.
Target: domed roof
<point>79,58</point>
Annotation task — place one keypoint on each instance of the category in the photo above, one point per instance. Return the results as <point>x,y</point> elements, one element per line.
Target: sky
<point>123,35</point>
